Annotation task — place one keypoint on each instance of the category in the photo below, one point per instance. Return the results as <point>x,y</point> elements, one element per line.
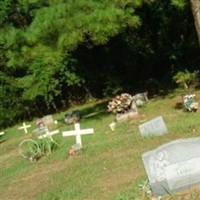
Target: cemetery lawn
<point>109,167</point>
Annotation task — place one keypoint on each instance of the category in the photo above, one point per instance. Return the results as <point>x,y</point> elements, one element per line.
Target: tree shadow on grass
<point>179,106</point>
<point>97,111</point>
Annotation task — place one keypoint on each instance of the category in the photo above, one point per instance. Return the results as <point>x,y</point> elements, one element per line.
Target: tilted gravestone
<point>140,98</point>
<point>174,166</point>
<point>49,122</point>
<point>153,127</point>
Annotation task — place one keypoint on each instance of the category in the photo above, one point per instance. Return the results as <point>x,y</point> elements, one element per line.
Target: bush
<point>186,79</point>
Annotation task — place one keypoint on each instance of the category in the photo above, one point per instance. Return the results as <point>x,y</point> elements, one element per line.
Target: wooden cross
<point>25,127</point>
<point>78,132</point>
<point>48,133</point>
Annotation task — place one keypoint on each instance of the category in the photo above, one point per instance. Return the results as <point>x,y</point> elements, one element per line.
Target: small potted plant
<point>188,80</point>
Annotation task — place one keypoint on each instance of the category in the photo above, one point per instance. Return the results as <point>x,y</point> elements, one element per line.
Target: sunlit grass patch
<point>108,167</point>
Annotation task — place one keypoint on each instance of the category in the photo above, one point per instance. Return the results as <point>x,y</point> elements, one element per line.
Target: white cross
<point>2,133</point>
<point>25,127</point>
<point>48,134</point>
<point>77,132</point>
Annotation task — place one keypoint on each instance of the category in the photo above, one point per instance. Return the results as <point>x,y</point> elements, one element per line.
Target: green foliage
<point>47,145</point>
<point>10,104</point>
<point>34,149</point>
<point>4,8</point>
<point>186,79</point>
<point>179,3</point>
<point>68,23</point>
<point>37,37</point>
<point>112,87</point>
<point>54,52</point>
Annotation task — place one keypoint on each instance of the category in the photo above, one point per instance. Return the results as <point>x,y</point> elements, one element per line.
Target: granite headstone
<point>174,166</point>
<point>153,127</point>
<point>50,122</point>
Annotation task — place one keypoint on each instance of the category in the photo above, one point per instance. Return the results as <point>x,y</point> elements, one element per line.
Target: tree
<point>53,51</point>
<point>56,31</point>
<point>195,6</point>
<point>38,37</point>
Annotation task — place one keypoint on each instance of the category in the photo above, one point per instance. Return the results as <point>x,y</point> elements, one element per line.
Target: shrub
<point>186,79</point>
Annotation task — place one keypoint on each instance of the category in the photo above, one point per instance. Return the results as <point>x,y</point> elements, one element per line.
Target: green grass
<point>109,167</point>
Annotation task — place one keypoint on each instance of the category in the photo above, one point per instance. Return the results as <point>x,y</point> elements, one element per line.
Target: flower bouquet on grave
<point>39,122</point>
<point>120,104</point>
<point>123,107</point>
<point>190,103</point>
<point>41,128</point>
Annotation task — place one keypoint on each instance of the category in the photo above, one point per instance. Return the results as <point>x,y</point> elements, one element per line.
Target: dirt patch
<point>9,156</point>
<point>190,194</point>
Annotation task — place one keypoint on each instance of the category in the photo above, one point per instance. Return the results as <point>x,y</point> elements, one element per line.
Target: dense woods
<point>57,52</point>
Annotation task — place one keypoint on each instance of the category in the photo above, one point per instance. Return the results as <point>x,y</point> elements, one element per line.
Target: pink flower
<point>39,122</point>
<point>119,104</point>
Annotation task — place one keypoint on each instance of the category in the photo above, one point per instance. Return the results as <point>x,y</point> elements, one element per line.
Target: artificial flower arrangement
<point>39,122</point>
<point>190,103</point>
<point>120,104</point>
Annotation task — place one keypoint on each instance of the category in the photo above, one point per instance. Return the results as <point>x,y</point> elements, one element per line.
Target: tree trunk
<point>195,6</point>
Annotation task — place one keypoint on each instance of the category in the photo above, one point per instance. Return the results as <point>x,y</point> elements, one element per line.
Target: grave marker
<point>140,98</point>
<point>2,133</point>
<point>153,127</point>
<point>41,130</point>
<point>174,166</point>
<point>49,122</point>
<point>112,126</point>
<point>48,133</point>
<point>78,132</point>
<point>1,136</point>
<point>25,127</point>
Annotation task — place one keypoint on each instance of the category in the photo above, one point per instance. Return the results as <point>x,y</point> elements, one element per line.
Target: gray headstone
<point>49,122</point>
<point>174,166</point>
<point>133,107</point>
<point>140,98</point>
<point>39,131</point>
<point>153,127</point>
<point>48,119</point>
